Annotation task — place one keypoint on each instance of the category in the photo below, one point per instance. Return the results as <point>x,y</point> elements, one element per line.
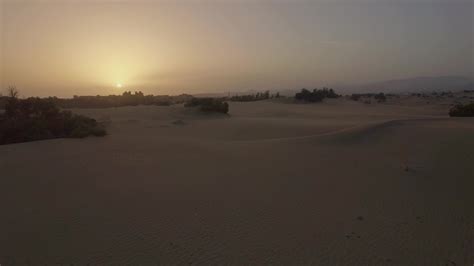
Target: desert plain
<point>274,182</point>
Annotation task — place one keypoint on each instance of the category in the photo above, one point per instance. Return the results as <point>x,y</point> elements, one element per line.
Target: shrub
<point>3,101</point>
<point>306,95</point>
<point>462,110</point>
<point>316,95</point>
<point>355,97</point>
<point>251,97</point>
<point>209,105</point>
<point>36,119</point>
<point>380,97</point>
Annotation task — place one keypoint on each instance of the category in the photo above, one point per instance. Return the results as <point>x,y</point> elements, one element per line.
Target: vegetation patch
<point>462,110</point>
<point>259,96</point>
<point>38,119</point>
<point>126,99</point>
<point>380,97</point>
<point>209,105</point>
<point>355,97</point>
<point>315,95</point>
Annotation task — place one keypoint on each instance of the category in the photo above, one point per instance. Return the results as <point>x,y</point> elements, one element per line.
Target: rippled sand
<point>337,183</point>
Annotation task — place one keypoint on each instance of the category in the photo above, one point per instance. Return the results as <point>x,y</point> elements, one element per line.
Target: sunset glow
<point>75,47</point>
<point>237,132</point>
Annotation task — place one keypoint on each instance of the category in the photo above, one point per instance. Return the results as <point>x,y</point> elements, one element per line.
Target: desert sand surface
<point>335,183</point>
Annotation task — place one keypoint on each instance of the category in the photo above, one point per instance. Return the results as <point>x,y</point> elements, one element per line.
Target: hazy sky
<point>168,47</point>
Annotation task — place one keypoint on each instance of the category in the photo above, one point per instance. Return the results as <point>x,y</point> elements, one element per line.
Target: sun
<point>119,85</point>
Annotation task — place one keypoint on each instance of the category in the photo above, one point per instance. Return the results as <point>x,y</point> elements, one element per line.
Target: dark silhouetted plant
<point>355,97</point>
<point>209,105</point>
<point>36,119</point>
<point>462,110</point>
<point>250,97</point>
<point>316,95</point>
<point>380,97</point>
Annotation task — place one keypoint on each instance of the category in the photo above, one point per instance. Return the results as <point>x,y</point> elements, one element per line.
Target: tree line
<point>259,96</point>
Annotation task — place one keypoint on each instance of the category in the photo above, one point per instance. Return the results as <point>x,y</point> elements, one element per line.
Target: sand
<point>336,183</point>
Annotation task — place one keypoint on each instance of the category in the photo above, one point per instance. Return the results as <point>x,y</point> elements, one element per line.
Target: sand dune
<point>338,183</point>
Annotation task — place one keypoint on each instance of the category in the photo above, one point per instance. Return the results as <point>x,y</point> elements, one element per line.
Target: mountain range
<point>417,84</point>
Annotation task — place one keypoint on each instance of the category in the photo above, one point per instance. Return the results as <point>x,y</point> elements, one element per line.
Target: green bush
<point>462,110</point>
<point>36,119</point>
<point>209,105</point>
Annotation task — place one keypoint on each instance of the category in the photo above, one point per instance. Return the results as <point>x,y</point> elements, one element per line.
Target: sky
<point>89,47</point>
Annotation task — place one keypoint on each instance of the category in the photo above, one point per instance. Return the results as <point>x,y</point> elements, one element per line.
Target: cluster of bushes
<point>3,101</point>
<point>126,99</point>
<point>209,105</point>
<point>380,97</point>
<point>441,94</point>
<point>438,95</point>
<point>37,119</point>
<point>462,110</point>
<point>355,97</point>
<point>253,97</point>
<point>444,94</point>
<point>315,95</point>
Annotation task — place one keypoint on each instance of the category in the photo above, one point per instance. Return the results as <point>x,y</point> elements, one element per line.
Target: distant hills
<point>418,84</point>
<point>408,85</point>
